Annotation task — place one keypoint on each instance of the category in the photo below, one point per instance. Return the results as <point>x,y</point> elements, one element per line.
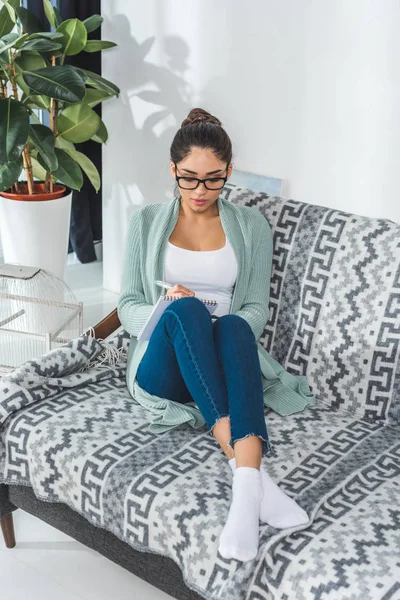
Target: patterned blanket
<point>71,431</point>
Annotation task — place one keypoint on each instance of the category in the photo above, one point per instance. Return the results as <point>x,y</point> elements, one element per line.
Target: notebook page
<point>158,310</point>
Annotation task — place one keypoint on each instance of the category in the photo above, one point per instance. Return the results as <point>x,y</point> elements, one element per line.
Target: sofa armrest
<point>107,325</point>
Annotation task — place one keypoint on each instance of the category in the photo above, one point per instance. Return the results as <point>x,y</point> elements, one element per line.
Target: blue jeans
<point>190,358</point>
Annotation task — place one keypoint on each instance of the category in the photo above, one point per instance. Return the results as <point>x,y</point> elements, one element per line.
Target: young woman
<point>210,249</point>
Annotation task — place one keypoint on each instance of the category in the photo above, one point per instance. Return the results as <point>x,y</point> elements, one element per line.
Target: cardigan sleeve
<point>255,309</point>
<point>133,311</point>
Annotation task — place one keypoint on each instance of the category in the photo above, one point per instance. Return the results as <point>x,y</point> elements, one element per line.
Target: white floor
<point>86,281</point>
<point>47,564</point>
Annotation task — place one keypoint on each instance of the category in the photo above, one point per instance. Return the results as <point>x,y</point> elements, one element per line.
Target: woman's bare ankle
<point>229,452</point>
<point>222,433</point>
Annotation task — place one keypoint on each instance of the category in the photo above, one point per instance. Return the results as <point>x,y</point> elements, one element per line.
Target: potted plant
<point>35,81</point>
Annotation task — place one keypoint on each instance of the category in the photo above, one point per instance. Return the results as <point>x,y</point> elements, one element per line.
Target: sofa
<point>76,450</point>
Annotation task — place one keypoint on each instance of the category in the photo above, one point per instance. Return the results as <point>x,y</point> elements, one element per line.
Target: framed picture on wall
<point>262,183</point>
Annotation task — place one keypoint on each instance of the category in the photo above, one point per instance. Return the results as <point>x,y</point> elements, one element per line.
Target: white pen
<point>164,284</point>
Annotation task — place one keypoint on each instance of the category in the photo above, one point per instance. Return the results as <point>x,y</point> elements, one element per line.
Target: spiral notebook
<point>159,307</point>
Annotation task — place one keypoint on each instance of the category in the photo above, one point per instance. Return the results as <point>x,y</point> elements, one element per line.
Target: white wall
<point>308,91</point>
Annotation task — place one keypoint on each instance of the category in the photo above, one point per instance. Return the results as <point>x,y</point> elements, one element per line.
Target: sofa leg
<point>7,527</point>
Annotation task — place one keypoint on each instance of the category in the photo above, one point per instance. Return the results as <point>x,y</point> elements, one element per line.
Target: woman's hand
<point>179,291</point>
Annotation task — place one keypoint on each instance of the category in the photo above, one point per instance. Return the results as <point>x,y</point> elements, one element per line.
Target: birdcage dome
<point>38,312</point>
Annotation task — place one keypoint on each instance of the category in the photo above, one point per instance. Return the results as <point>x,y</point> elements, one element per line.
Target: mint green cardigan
<point>250,235</point>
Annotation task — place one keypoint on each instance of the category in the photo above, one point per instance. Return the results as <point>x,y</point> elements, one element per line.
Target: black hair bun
<point>199,115</point>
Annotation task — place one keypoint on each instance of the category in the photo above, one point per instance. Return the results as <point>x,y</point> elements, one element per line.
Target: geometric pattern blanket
<point>334,307</point>
<point>76,436</point>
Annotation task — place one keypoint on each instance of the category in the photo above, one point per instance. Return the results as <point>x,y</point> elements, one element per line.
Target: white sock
<point>276,508</point>
<point>239,537</point>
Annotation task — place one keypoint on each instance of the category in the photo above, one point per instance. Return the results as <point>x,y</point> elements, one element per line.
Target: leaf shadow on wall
<point>142,171</point>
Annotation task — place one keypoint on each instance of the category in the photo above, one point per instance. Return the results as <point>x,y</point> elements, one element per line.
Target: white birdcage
<point>38,312</point>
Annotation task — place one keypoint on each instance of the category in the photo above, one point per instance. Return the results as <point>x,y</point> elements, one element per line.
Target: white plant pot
<point>36,233</point>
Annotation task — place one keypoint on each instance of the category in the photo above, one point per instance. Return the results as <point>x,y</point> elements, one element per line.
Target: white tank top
<point>211,274</point>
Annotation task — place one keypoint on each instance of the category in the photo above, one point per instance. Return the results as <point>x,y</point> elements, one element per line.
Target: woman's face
<point>201,163</point>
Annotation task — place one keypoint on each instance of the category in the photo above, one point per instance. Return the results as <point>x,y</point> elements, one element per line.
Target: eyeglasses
<point>191,183</point>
